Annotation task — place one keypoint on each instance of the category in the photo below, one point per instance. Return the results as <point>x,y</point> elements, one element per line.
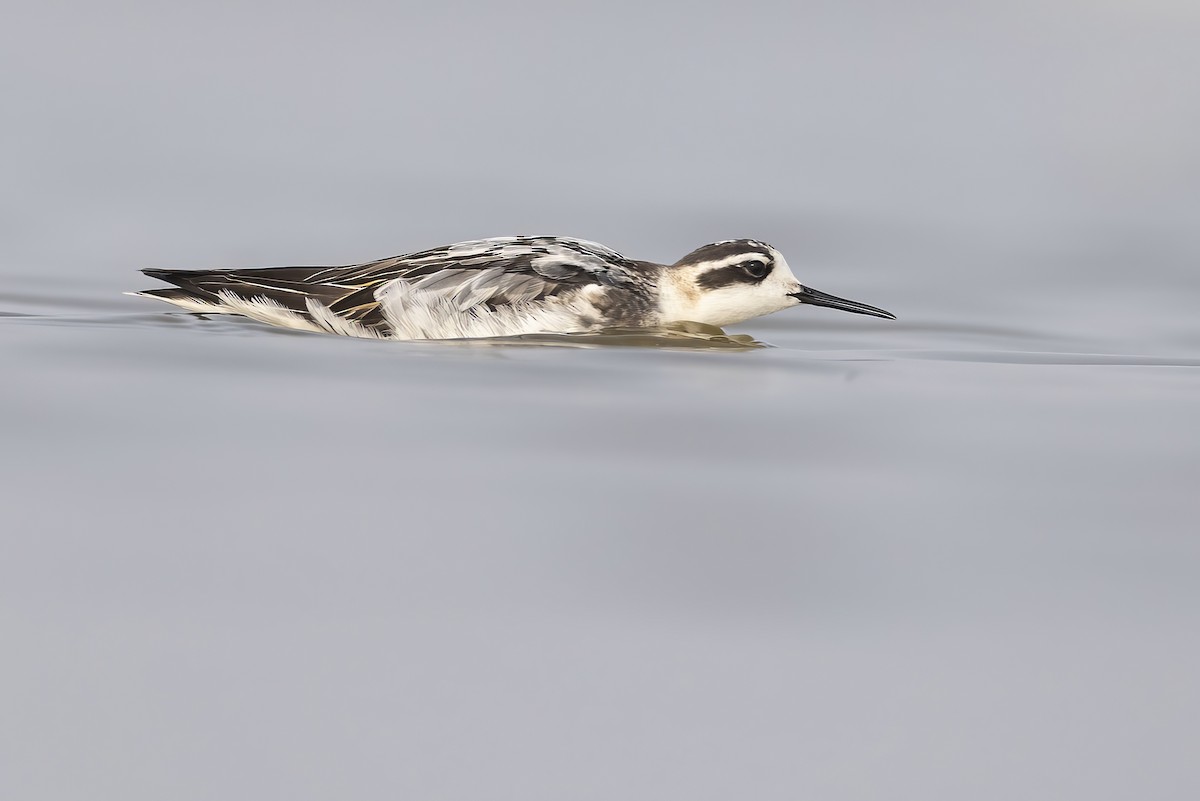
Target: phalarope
<point>506,286</point>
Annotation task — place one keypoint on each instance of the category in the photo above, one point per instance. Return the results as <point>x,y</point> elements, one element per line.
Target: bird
<point>506,286</point>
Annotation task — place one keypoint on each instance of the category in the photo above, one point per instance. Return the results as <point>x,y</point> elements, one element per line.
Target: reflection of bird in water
<point>506,286</point>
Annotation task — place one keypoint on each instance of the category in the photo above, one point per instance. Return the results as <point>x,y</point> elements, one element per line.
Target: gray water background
<point>953,556</point>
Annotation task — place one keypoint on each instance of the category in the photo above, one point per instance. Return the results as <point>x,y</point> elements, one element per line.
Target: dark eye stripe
<point>747,272</point>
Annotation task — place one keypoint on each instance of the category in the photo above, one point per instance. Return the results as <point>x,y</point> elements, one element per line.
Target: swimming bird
<point>506,286</point>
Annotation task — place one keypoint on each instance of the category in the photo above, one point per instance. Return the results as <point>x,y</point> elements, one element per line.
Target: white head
<point>739,279</point>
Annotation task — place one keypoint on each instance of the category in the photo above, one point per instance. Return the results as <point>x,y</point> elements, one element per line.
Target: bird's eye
<point>755,269</point>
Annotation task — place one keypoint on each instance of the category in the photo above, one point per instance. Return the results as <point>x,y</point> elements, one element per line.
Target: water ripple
<point>689,337</point>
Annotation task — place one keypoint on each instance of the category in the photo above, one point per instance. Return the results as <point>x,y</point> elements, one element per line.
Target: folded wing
<point>487,273</point>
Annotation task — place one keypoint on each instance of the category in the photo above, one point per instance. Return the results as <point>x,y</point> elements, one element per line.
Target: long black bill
<point>806,295</point>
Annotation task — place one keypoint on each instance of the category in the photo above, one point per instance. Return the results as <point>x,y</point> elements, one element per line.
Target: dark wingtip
<point>180,278</point>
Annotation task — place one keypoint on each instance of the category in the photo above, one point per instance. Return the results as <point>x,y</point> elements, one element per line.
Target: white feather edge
<point>412,314</point>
